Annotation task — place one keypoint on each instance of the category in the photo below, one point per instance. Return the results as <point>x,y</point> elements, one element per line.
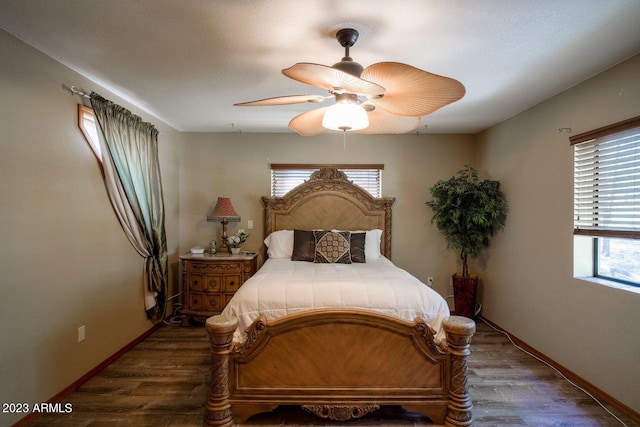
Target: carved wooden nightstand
<point>209,282</point>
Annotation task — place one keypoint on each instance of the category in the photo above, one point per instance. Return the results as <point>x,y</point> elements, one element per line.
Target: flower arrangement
<point>237,239</point>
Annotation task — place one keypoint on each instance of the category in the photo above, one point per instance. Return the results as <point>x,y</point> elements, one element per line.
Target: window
<point>607,202</point>
<point>89,127</point>
<point>284,177</point>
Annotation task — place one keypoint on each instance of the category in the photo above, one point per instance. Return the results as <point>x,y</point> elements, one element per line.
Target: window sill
<point>611,284</point>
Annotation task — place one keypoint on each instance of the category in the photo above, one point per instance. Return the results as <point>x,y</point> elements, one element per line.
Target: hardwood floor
<point>164,381</point>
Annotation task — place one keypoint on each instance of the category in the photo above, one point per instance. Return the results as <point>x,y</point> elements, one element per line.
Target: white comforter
<point>282,287</point>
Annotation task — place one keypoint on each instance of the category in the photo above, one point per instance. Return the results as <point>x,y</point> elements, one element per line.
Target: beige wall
<point>64,259</point>
<point>237,165</point>
<point>529,287</point>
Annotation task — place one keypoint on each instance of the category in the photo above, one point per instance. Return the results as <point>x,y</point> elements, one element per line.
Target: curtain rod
<point>74,90</point>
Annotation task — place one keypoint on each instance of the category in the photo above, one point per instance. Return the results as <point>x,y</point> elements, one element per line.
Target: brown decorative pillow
<point>332,247</point>
<point>304,246</point>
<point>357,247</point>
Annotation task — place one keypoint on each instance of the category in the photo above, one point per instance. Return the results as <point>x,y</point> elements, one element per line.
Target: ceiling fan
<point>384,98</point>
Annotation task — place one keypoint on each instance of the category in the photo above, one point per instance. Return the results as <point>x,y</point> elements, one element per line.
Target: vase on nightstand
<point>235,251</point>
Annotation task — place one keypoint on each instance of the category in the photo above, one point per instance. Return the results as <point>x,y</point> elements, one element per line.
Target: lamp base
<point>224,246</point>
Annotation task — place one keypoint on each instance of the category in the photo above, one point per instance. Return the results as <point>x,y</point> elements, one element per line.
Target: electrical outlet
<point>250,224</point>
<point>81,333</point>
<point>430,282</point>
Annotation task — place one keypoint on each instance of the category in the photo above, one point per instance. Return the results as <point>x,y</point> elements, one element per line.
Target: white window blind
<point>283,178</point>
<point>607,182</point>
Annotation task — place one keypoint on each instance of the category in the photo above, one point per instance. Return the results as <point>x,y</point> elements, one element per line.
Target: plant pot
<point>465,291</point>
<point>235,251</point>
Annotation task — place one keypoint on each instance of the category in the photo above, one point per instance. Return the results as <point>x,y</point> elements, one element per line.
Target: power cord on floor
<point>479,307</point>
<point>175,318</point>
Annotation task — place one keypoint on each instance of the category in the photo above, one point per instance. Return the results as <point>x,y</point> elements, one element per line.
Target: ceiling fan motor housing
<point>347,98</point>
<point>348,65</point>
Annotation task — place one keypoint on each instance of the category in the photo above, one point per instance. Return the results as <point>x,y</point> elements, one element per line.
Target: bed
<point>337,357</point>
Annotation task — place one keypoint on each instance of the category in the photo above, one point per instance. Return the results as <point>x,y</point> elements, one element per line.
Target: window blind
<point>607,184</point>
<point>283,179</point>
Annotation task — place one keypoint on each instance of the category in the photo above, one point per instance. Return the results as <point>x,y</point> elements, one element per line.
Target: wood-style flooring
<point>164,381</point>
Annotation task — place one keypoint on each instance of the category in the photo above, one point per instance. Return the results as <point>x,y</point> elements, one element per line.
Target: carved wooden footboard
<point>339,364</point>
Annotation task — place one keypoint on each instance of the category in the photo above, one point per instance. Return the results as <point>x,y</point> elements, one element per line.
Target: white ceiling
<point>188,61</point>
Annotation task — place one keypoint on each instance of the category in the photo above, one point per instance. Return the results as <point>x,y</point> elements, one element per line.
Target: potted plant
<point>468,212</point>
<point>236,240</point>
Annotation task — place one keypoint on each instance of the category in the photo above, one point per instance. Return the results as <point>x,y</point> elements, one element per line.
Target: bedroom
<point>70,264</point>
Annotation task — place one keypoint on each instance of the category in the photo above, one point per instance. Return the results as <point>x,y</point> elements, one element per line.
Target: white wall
<point>64,259</point>
<point>529,287</point>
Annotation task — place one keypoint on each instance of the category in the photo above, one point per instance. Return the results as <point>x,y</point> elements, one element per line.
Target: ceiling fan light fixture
<point>345,116</point>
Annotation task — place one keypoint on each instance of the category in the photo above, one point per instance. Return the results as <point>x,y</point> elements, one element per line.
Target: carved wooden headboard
<point>328,200</point>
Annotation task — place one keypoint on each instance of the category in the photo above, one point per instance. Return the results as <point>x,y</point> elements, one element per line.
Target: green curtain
<point>131,171</point>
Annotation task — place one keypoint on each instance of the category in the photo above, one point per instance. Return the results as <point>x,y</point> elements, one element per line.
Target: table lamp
<point>224,213</point>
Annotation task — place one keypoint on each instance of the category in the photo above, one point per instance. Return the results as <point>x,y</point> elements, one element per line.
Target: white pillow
<point>280,244</point>
<point>371,243</point>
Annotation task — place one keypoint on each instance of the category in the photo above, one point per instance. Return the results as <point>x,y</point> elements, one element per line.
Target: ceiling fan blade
<point>283,100</point>
<point>383,122</point>
<point>309,123</point>
<point>411,91</point>
<point>331,79</point>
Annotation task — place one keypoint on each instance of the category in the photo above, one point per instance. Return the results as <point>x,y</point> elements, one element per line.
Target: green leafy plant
<point>468,212</point>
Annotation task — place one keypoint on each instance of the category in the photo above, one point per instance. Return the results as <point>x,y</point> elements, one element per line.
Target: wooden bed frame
<point>337,364</point>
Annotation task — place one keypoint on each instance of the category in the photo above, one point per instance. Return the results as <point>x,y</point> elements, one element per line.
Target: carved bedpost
<point>218,409</point>
<point>387,220</point>
<point>267,204</point>
<point>459,331</point>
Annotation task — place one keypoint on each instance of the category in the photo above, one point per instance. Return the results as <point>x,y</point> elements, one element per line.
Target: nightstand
<point>209,282</point>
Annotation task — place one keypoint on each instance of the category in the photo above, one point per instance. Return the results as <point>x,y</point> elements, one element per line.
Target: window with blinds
<point>607,200</point>
<point>286,177</point>
<point>607,184</point>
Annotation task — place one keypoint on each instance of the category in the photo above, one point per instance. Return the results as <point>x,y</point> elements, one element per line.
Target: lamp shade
<point>223,211</point>
<point>345,116</point>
